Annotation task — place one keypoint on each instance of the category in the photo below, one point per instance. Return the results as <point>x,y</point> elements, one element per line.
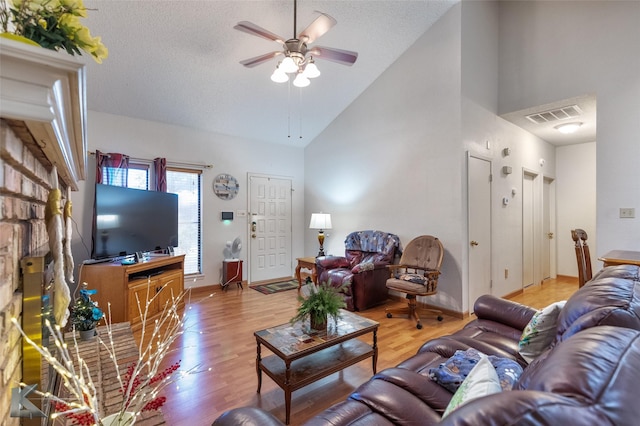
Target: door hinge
<point>490,178</point>
<point>491,284</point>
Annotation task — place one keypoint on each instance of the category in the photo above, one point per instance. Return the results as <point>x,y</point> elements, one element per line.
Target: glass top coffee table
<point>301,357</point>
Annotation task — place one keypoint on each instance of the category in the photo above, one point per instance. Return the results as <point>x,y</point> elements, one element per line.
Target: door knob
<point>253,235</point>
<point>473,243</point>
<point>550,235</point>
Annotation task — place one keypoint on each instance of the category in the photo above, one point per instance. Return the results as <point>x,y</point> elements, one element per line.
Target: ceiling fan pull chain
<point>300,113</point>
<point>289,110</point>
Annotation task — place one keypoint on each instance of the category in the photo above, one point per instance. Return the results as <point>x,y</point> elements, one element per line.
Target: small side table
<point>232,273</point>
<point>308,263</point>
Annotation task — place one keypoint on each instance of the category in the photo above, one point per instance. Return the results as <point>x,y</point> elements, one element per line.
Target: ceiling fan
<point>299,57</point>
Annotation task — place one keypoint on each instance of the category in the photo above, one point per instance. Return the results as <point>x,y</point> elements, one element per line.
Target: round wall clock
<point>225,186</point>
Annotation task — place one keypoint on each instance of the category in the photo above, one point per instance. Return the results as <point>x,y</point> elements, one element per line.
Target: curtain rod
<point>176,163</point>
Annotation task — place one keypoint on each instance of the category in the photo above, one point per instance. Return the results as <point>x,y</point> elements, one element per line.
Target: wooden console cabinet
<point>119,284</point>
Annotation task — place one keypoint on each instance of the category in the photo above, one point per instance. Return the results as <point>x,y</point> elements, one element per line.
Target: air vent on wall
<point>563,113</point>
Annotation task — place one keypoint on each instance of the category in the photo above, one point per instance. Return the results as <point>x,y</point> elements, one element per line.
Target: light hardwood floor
<point>220,337</point>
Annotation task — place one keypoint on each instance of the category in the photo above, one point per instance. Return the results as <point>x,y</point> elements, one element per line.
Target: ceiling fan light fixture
<point>568,128</point>
<point>279,76</point>
<point>311,70</point>
<point>288,65</point>
<point>301,80</point>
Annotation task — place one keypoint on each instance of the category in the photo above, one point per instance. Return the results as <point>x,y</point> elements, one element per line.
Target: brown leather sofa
<point>587,377</point>
<point>362,272</point>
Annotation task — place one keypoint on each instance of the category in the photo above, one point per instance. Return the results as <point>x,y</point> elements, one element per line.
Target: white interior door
<point>548,237</point>
<point>528,229</point>
<point>269,228</point>
<point>479,222</point>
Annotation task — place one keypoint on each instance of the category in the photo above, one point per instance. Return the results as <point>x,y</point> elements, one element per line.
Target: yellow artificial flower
<point>101,52</point>
<point>41,4</point>
<point>70,23</point>
<point>65,32</point>
<point>83,38</point>
<point>32,5</point>
<point>75,7</point>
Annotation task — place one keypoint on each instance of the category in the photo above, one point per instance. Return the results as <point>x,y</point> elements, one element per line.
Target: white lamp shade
<point>301,80</point>
<point>279,76</point>
<point>311,70</point>
<point>320,221</point>
<point>288,65</point>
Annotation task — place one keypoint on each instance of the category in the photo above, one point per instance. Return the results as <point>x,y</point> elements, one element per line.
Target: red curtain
<point>160,165</point>
<point>111,168</point>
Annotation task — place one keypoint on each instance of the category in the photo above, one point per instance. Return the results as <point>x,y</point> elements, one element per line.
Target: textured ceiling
<point>177,62</point>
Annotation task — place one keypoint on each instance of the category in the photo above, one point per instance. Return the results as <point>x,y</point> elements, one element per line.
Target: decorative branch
<point>144,379</point>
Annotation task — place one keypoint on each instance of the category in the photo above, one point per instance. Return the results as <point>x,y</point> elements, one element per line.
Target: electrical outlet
<point>627,213</point>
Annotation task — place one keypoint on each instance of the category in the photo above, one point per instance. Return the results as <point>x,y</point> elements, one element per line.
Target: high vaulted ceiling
<point>177,62</point>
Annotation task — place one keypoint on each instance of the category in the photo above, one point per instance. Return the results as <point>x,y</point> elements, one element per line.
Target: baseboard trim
<point>515,293</point>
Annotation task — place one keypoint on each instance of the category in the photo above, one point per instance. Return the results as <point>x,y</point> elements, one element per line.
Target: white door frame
<point>249,238</point>
<point>550,210</point>
<point>470,273</point>
<point>536,212</point>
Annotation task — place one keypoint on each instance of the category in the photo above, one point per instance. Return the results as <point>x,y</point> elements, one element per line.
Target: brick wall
<point>24,189</point>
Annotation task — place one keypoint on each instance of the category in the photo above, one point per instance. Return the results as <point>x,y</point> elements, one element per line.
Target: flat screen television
<point>132,220</point>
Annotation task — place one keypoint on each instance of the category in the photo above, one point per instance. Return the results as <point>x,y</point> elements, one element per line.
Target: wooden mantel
<point>47,91</point>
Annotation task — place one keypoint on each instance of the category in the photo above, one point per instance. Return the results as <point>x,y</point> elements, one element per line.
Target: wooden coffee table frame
<point>293,368</point>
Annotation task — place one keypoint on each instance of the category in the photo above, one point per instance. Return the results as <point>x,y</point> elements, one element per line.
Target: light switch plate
<point>627,213</point>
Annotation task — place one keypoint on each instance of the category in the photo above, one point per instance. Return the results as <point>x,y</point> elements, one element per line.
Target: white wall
<point>576,201</point>
<point>391,161</point>
<point>147,140</point>
<point>481,125</point>
<point>562,49</point>
<point>395,159</point>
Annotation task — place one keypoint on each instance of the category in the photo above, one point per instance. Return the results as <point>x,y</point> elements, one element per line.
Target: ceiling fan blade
<point>252,62</point>
<point>253,29</point>
<point>317,28</point>
<point>344,57</point>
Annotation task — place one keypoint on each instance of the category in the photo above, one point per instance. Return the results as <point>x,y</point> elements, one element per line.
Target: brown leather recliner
<point>362,271</point>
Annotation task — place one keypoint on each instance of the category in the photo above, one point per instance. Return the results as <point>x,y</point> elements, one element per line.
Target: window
<point>187,183</point>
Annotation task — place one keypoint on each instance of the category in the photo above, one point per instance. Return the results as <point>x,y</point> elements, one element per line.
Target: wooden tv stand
<point>119,284</point>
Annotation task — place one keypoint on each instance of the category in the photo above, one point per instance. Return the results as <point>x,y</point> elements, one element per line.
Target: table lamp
<point>320,221</point>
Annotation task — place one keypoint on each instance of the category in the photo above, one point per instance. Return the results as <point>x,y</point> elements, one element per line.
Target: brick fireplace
<point>23,193</point>
<point>42,123</point>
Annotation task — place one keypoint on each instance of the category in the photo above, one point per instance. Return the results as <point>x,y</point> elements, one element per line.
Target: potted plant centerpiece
<point>85,314</point>
<point>322,302</point>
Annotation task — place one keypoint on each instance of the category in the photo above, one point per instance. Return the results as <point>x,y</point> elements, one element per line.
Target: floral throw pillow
<point>481,381</point>
<point>451,373</point>
<point>539,334</point>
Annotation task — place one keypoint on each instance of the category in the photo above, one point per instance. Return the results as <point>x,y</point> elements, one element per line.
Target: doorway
<point>479,223</point>
<point>269,228</point>
<point>548,255</point>
<point>529,225</point>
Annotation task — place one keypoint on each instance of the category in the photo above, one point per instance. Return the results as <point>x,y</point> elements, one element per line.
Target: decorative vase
<point>314,324</point>
<point>119,419</point>
<point>88,334</point>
